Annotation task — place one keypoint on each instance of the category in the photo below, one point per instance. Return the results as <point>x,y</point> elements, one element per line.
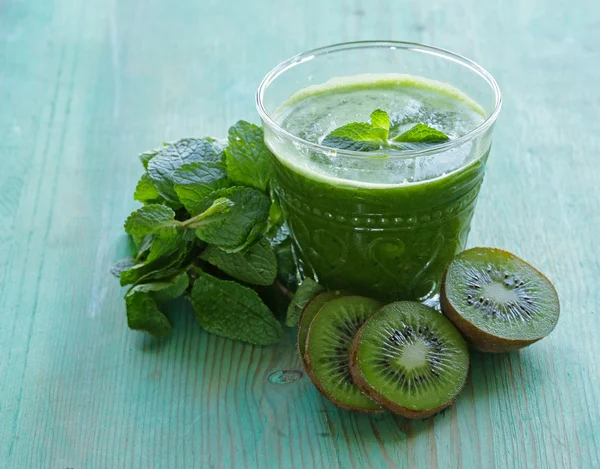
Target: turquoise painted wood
<point>84,86</point>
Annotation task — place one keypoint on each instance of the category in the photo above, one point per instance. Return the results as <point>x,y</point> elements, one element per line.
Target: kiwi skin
<point>309,371</point>
<point>477,338</point>
<point>358,379</point>
<point>335,401</point>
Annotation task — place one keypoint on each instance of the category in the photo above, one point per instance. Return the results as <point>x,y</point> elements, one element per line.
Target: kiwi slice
<point>498,301</point>
<point>410,358</point>
<point>308,314</point>
<point>328,349</point>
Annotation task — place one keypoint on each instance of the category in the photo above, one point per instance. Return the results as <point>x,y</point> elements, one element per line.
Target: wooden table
<point>85,86</point>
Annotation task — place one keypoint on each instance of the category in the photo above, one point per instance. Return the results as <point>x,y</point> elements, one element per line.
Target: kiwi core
<point>413,356</point>
<point>500,293</point>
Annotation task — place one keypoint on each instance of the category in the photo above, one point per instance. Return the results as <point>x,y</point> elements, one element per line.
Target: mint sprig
<point>210,227</point>
<point>361,136</point>
<point>159,220</point>
<point>375,135</point>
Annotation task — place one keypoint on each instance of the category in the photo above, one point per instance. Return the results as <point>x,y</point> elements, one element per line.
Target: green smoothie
<point>384,225</point>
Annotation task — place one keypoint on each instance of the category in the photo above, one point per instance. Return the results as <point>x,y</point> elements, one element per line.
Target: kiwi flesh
<point>308,314</point>
<point>409,358</point>
<point>330,336</point>
<point>497,300</point>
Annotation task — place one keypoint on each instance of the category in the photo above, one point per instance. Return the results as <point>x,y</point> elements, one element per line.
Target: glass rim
<point>298,59</point>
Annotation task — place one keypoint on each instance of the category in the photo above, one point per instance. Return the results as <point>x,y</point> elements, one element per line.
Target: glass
<point>378,224</point>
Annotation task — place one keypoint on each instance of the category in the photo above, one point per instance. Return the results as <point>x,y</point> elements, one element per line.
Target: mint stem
<point>284,289</point>
<point>221,205</point>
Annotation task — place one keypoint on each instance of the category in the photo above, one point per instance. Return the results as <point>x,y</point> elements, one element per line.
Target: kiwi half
<point>409,358</point>
<point>328,349</point>
<point>308,314</point>
<point>498,301</point>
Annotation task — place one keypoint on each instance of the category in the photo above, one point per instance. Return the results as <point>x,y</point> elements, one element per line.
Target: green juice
<point>385,226</point>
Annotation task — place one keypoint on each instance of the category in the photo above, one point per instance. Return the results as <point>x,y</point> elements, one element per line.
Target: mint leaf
<point>145,191</point>
<point>170,264</point>
<point>143,246</point>
<point>361,136</point>
<point>421,133</point>
<point>275,220</point>
<point>380,124</point>
<point>122,265</point>
<point>148,270</point>
<point>256,232</point>
<point>231,310</point>
<point>172,157</point>
<point>150,219</point>
<point>248,158</point>
<point>143,315</point>
<point>357,136</point>
<point>194,181</point>
<point>142,310</point>
<point>346,143</point>
<point>146,273</point>
<point>307,289</point>
<point>146,156</point>
<point>241,225</point>
<point>257,265</point>
<point>164,246</point>
<point>176,288</point>
<point>286,264</point>
<point>357,131</point>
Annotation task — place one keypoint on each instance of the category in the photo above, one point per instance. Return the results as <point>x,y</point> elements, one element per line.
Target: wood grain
<point>84,86</point>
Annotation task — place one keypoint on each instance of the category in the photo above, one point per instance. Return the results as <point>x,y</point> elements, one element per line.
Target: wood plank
<point>84,86</point>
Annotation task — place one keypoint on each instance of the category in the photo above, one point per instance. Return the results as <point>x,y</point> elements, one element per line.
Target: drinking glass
<point>377,224</point>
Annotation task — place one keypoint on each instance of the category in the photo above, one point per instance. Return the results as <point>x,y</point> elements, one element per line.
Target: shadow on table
<point>491,378</point>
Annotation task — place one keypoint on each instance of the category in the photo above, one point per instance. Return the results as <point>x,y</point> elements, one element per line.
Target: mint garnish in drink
<point>375,135</point>
<point>361,136</point>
